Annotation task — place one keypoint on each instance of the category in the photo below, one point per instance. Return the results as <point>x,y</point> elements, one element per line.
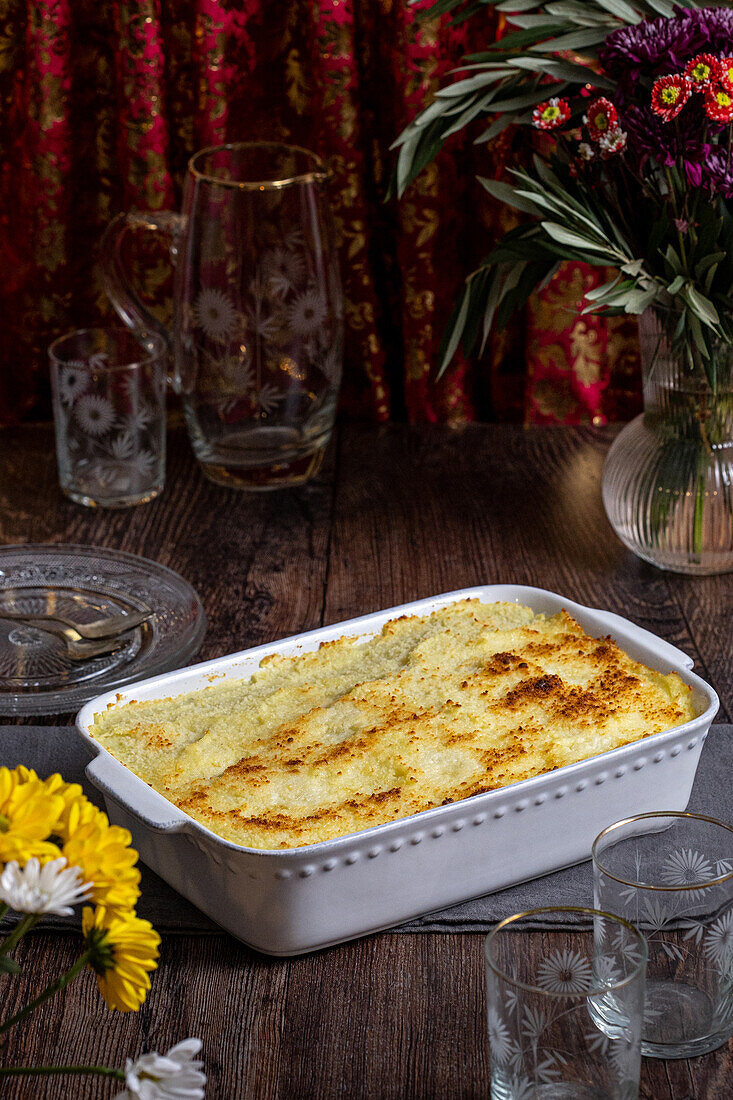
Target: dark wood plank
<point>399,1017</point>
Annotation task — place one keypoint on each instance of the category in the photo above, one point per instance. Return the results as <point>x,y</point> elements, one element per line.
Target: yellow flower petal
<point>106,860</point>
<point>124,950</point>
<point>28,815</point>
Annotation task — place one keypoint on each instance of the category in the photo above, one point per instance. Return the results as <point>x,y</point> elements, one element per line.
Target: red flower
<point>613,141</point>
<point>669,95</point>
<point>719,101</point>
<point>726,69</point>
<point>551,114</point>
<point>702,71</point>
<point>600,118</point>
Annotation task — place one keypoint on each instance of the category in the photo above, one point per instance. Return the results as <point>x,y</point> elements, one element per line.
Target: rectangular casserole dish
<point>286,902</point>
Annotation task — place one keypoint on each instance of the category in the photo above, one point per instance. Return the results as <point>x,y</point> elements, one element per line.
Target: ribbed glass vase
<point>668,478</point>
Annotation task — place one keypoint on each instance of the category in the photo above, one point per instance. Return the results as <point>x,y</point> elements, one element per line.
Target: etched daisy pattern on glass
<point>570,1024</point>
<point>109,414</point>
<point>259,315</point>
<point>671,875</point>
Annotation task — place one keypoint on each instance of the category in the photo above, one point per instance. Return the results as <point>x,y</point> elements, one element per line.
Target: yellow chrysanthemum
<point>123,950</point>
<point>105,857</point>
<point>28,815</point>
<point>77,809</point>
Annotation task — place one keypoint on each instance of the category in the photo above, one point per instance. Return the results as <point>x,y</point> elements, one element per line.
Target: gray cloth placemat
<point>49,749</point>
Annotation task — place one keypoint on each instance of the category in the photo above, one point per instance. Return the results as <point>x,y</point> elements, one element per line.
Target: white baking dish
<point>289,901</point>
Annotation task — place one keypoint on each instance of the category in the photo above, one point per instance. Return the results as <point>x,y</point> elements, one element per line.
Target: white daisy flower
<point>215,314</point>
<point>176,1075</point>
<point>307,313</point>
<point>73,380</point>
<point>564,971</point>
<point>53,888</point>
<point>686,868</point>
<point>94,414</point>
<point>719,941</point>
<point>499,1038</point>
<point>269,397</point>
<point>283,270</point>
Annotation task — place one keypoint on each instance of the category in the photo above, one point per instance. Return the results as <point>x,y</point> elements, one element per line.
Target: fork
<point>77,649</point>
<point>98,630</point>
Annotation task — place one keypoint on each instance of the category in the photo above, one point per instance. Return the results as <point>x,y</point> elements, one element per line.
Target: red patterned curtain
<point>102,105</point>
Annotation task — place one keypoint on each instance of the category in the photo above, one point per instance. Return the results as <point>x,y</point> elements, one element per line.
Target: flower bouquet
<point>632,105</point>
<point>58,850</point>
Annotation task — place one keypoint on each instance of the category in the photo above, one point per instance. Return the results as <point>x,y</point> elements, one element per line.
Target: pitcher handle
<point>115,279</point>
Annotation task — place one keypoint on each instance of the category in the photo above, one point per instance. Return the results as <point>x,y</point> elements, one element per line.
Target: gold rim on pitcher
<point>319,174</point>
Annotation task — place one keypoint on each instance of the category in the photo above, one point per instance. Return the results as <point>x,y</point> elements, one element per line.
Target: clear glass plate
<point>88,583</point>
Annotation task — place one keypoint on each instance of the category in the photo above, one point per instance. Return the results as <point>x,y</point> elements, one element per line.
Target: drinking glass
<point>109,391</point>
<point>566,1026</point>
<point>671,875</point>
<point>258,315</point>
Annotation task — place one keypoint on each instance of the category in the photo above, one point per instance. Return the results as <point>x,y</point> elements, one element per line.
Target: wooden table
<point>397,513</point>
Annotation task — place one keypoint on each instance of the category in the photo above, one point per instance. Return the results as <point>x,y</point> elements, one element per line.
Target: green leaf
<point>454,331</point>
<point>676,285</point>
<point>599,291</point>
<point>623,11</point>
<point>507,194</point>
<point>701,305</point>
<point>526,100</point>
<point>563,236</point>
<point>500,124</point>
<point>575,40</point>
<point>564,70</point>
<point>8,965</point>
<point>673,260</point>
<point>518,40</point>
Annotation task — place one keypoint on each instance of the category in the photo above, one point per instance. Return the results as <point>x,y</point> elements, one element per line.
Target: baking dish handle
<point>135,796</point>
<point>673,654</point>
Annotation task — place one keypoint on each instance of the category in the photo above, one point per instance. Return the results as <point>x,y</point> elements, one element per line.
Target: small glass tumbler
<point>566,1025</point>
<point>671,875</point>
<point>109,388</point>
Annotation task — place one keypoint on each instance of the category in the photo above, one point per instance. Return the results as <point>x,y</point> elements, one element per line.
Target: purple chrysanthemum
<point>649,136</point>
<point>720,172</point>
<point>656,47</point>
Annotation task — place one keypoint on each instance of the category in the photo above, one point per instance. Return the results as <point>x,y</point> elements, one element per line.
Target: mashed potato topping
<point>434,709</point>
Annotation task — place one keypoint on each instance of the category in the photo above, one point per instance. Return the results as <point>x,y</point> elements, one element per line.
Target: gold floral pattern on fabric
<point>101,106</point>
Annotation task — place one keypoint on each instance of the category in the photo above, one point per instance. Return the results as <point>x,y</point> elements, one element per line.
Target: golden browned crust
<point>434,709</point>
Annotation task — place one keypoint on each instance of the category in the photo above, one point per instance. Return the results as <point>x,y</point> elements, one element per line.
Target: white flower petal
<point>215,314</point>
<point>307,313</point>
<point>94,414</point>
<point>54,888</point>
<point>176,1075</point>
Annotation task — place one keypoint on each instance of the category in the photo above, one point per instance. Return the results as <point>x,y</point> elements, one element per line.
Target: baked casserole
<point>359,732</point>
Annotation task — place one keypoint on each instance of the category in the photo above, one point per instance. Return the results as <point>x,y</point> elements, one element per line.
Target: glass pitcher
<point>257,335</point>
